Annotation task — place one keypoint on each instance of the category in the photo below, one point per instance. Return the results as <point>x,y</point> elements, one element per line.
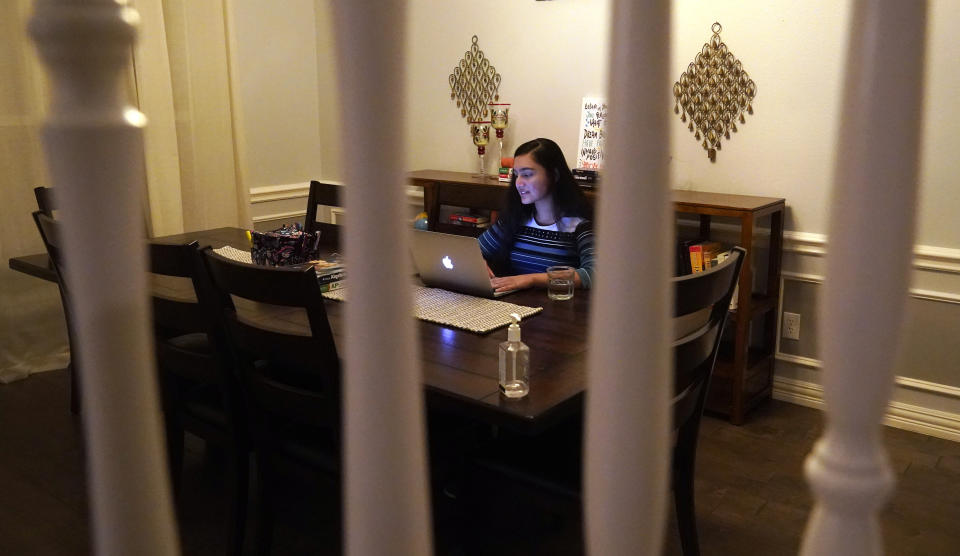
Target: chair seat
<point>189,356</point>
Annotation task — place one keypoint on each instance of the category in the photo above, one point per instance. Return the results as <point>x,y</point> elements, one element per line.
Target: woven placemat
<point>234,254</point>
<point>458,310</point>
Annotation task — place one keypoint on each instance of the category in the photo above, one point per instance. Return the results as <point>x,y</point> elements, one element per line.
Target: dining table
<point>460,368</point>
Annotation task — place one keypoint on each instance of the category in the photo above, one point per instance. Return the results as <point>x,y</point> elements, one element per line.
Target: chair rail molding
<point>926,412</point>
<point>862,311</point>
<point>278,192</point>
<point>288,202</point>
<point>93,143</point>
<point>925,257</point>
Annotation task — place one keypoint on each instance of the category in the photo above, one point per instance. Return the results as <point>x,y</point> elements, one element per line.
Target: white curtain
<point>32,330</point>
<point>180,79</point>
<point>182,68</point>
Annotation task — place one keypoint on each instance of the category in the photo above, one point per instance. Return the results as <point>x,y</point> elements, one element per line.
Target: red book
<point>696,258</point>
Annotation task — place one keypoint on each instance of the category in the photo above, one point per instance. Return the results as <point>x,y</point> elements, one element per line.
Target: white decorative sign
<point>592,133</point>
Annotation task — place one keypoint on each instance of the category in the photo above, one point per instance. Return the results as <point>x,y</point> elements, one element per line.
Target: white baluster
<point>868,263</point>
<point>94,149</point>
<point>384,465</point>
<point>626,451</point>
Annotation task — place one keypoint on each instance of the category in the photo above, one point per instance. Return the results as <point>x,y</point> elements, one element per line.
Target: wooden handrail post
<point>626,451</point>
<point>94,150</point>
<point>868,265</point>
<point>385,454</point>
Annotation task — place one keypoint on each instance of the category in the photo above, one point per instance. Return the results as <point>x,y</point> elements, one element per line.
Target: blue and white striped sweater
<point>534,249</point>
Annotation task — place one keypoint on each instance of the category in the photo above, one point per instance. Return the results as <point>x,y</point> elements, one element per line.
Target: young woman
<point>546,222</point>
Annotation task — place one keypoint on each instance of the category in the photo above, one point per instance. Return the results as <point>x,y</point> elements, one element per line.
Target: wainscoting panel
<point>926,396</point>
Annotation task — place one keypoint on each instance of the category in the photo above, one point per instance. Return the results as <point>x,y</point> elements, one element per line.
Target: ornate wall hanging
<point>713,93</point>
<point>474,83</point>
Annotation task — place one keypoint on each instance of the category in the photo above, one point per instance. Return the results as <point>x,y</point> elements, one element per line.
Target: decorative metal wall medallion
<point>473,83</point>
<point>713,93</point>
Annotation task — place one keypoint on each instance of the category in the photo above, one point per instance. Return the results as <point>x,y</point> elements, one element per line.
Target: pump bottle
<point>514,362</point>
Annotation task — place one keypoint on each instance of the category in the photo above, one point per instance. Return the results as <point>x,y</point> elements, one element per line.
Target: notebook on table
<point>452,262</point>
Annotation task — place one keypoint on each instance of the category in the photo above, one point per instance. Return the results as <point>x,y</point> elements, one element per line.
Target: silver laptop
<point>451,262</point>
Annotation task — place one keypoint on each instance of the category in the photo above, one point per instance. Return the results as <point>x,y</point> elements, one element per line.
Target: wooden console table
<point>743,376</point>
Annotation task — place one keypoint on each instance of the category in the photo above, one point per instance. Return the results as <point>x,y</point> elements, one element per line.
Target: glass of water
<point>560,282</point>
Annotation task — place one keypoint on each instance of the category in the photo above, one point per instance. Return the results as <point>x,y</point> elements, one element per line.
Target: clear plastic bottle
<point>514,363</point>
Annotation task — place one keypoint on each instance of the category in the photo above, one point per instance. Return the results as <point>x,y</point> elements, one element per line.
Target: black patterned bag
<point>286,246</point>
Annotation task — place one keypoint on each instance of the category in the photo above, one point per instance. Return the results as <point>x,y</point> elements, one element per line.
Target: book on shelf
<point>710,250</point>
<point>471,220</point>
<point>683,256</point>
<point>722,256</point>
<point>704,255</point>
<point>696,258</point>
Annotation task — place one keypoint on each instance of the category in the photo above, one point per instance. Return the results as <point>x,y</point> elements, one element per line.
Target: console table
<point>743,376</point>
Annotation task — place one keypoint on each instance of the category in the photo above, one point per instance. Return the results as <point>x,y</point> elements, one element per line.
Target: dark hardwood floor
<point>751,495</point>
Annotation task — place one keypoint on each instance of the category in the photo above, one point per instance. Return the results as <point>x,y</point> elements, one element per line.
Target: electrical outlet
<point>791,326</point>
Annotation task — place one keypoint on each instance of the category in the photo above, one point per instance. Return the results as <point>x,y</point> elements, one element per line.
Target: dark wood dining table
<point>460,368</point>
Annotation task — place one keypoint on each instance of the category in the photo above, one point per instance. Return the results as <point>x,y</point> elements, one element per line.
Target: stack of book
<point>703,255</point>
<point>698,256</point>
<point>470,220</point>
<point>330,274</point>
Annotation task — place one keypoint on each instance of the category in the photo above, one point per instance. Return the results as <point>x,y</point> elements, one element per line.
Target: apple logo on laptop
<point>447,263</point>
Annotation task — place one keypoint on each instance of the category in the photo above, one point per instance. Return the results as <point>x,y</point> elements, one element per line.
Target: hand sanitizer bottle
<point>514,362</point>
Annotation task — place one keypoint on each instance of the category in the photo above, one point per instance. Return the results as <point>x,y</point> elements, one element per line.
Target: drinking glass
<point>560,282</point>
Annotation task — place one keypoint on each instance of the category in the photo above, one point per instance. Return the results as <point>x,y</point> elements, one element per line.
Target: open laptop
<point>452,262</point>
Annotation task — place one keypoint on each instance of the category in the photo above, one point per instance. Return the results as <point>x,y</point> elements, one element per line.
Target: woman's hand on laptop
<point>519,282</point>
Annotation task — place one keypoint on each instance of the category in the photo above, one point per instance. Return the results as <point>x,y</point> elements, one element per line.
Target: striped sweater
<point>535,247</point>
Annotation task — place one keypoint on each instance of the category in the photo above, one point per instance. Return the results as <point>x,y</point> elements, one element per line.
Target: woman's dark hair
<point>568,199</point>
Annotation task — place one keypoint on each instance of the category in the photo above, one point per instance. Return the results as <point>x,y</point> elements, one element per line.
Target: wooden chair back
<point>327,195</point>
<point>294,375</point>
<point>694,355</point>
<point>50,234</point>
<point>46,202</point>
<point>180,314</point>
<point>190,310</point>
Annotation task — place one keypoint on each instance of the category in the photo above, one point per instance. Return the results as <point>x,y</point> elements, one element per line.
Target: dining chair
<point>46,201</point>
<point>550,465</point>
<point>50,234</point>
<point>327,195</point>
<point>278,332</point>
<point>200,391</point>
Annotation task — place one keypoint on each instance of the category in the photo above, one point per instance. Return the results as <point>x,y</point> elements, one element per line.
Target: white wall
<point>277,89</point>
<point>549,54</point>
